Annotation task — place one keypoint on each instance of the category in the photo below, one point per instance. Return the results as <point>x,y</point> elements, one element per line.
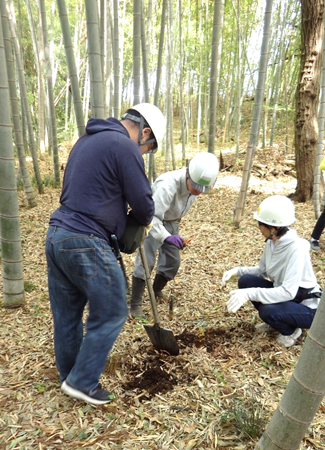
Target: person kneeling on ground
<point>283,287</point>
<point>174,193</point>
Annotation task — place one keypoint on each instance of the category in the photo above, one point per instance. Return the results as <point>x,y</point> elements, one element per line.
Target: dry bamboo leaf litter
<point>161,402</point>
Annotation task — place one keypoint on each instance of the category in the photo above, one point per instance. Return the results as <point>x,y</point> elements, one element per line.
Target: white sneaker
<point>263,328</point>
<point>289,341</point>
<point>97,396</point>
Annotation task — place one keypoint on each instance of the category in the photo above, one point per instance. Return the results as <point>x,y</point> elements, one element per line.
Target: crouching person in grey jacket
<point>283,287</point>
<point>173,193</point>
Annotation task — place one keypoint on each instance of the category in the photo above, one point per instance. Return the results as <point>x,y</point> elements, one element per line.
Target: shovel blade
<point>162,339</point>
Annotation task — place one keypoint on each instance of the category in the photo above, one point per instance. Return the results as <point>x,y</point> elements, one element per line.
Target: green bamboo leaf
<point>16,441</point>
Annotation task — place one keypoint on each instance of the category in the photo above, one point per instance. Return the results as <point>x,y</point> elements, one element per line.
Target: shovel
<point>161,338</point>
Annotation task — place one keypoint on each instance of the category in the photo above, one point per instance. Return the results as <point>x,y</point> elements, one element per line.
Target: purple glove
<point>176,240</point>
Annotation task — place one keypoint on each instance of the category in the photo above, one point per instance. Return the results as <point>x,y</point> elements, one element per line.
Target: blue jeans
<point>284,317</point>
<point>83,269</point>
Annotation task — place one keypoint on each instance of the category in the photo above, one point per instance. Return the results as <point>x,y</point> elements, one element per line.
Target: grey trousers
<point>169,258</point>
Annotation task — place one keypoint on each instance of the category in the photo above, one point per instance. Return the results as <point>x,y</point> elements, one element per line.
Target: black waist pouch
<point>132,236</point>
<point>304,293</point>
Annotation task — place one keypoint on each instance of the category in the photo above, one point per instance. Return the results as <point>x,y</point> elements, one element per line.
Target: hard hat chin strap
<point>140,131</point>
<point>143,125</point>
<point>278,232</point>
<point>270,237</point>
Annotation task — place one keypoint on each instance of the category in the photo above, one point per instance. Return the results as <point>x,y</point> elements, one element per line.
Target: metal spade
<point>161,338</point>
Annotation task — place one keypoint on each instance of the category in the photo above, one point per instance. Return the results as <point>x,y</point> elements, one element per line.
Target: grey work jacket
<point>172,201</point>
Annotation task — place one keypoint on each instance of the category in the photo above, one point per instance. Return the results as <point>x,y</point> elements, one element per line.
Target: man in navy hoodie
<point>104,175</point>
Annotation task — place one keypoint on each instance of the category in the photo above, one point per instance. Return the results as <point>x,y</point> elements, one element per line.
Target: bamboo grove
<point>175,62</point>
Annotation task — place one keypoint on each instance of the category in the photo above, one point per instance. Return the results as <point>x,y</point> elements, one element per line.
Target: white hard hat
<point>276,210</point>
<point>203,171</point>
<point>153,118</point>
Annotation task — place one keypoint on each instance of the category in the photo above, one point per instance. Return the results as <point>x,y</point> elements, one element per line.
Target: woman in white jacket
<point>283,287</point>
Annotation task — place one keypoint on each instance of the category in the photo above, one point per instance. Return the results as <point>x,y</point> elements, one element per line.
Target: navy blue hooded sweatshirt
<point>104,174</point>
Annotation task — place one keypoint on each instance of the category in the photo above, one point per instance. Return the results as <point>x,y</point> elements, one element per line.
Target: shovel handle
<point>152,296</point>
<point>171,308</point>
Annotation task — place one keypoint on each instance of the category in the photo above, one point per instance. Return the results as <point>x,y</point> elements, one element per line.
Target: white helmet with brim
<point>277,211</point>
<point>149,117</point>
<point>202,171</point>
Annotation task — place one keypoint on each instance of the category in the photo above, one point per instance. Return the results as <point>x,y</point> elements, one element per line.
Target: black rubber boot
<point>158,285</point>
<point>138,286</point>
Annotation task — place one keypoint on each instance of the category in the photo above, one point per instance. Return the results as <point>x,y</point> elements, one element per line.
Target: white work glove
<point>229,274</point>
<point>237,299</point>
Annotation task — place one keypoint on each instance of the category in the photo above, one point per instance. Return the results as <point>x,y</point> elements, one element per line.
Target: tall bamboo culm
<point>10,242</point>
<point>303,394</point>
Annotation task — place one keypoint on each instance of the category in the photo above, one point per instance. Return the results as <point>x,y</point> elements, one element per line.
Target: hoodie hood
<point>284,248</point>
<point>287,239</point>
<point>111,124</point>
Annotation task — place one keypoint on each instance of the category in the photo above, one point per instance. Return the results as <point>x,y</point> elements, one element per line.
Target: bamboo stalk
<point>239,208</point>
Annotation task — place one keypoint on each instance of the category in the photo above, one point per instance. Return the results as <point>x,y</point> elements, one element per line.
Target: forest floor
<point>226,383</point>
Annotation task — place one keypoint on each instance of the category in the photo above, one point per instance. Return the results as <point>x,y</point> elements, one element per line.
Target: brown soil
<point>155,379</point>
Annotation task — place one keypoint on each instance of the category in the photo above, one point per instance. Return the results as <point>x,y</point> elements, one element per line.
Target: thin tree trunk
<point>245,178</point>
<point>188,78</point>
<point>278,74</point>
<point>169,80</point>
<point>116,61</point>
<point>157,85</point>
<point>66,112</point>
<point>200,75</point>
<point>43,109</point>
<point>45,119</point>
<point>217,25</point>
<point>71,62</point>
<point>109,62</point>
<point>167,152</point>
<point>168,101</point>
<point>227,104</point>
<point>102,33</point>
<point>49,79</point>
<point>136,50</point>
<point>265,114</point>
<point>206,72</point>
<point>40,132</point>
<point>149,30</point>
<point>86,96</point>
<point>160,50</point>
<point>95,62</point>
<point>121,54</point>
<point>239,98</point>
<point>294,76</point>
<point>144,56</point>
<point>23,95</point>
<point>181,99</point>
<point>258,105</point>
<point>30,194</point>
<point>286,107</point>
<point>11,256</point>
